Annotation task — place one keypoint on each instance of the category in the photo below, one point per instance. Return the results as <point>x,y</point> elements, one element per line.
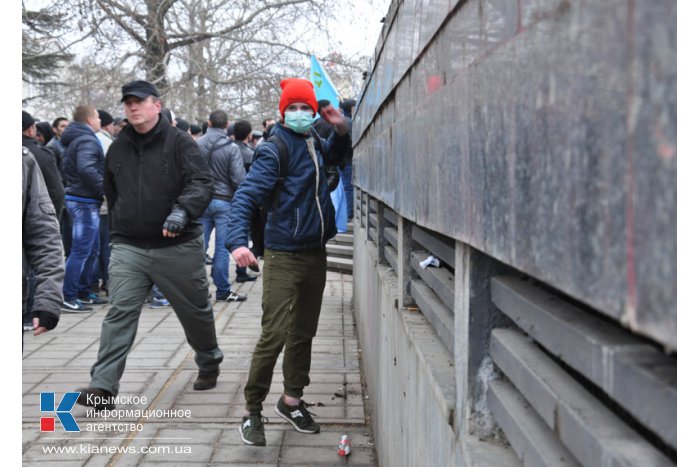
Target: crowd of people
<point>131,203</point>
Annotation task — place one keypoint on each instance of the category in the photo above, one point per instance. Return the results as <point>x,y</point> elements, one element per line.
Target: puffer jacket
<point>142,184</point>
<point>304,217</point>
<point>42,250</point>
<point>225,162</point>
<point>83,162</point>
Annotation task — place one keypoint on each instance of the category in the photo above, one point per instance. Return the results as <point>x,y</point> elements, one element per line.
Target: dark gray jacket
<point>42,250</point>
<point>246,154</point>
<point>225,162</point>
<point>56,147</point>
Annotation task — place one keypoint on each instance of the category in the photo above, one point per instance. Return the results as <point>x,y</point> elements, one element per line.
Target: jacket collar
<point>130,132</point>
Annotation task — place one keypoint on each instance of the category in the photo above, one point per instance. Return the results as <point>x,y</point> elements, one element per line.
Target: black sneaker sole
<point>300,430</point>
<point>249,443</point>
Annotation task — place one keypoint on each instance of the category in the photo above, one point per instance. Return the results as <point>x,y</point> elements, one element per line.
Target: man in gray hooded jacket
<point>42,250</point>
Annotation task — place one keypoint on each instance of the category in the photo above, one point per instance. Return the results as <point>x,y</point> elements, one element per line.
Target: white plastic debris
<point>430,261</point>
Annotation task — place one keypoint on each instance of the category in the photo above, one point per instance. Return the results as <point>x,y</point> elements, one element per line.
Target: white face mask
<point>299,121</point>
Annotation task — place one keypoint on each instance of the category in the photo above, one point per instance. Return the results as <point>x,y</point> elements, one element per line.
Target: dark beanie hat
<point>27,120</point>
<point>105,117</point>
<point>297,90</point>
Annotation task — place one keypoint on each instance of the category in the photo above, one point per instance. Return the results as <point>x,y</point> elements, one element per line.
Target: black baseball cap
<point>139,88</point>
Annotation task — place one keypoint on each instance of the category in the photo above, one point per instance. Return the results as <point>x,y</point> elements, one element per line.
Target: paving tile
<point>231,454</point>
<point>161,367</point>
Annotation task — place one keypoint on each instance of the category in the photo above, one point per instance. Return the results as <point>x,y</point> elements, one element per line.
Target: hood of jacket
<point>75,130</point>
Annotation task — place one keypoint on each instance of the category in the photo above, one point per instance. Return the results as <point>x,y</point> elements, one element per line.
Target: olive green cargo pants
<point>293,284</point>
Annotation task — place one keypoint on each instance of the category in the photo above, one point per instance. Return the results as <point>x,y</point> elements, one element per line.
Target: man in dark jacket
<point>347,106</point>
<point>156,183</point>
<point>299,224</point>
<point>58,126</point>
<point>83,170</point>
<point>41,247</point>
<point>48,162</point>
<point>226,165</point>
<point>242,133</point>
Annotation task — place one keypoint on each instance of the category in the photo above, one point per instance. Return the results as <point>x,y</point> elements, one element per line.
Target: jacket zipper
<point>314,157</point>
<point>138,192</point>
<point>296,227</point>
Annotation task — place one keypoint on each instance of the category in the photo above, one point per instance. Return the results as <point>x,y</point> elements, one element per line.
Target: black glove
<point>47,319</point>
<point>176,221</point>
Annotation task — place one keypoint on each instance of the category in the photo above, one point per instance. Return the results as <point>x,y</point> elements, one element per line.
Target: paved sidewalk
<point>161,369</point>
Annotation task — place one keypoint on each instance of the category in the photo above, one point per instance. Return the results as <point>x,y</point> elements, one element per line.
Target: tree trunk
<point>157,54</point>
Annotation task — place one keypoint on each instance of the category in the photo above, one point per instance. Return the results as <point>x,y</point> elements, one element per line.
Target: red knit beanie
<point>297,90</point>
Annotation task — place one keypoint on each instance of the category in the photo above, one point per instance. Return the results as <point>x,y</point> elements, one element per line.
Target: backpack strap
<point>317,138</point>
<point>283,156</point>
<point>216,148</point>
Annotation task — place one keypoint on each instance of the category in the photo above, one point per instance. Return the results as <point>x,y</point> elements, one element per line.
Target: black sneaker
<point>245,278</point>
<point>75,306</point>
<point>98,398</point>
<point>252,429</point>
<point>92,299</point>
<point>208,260</point>
<point>298,416</point>
<point>232,297</point>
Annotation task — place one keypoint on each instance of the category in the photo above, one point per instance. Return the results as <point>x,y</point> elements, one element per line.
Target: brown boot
<point>205,380</point>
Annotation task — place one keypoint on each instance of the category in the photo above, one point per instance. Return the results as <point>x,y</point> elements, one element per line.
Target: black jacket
<point>143,184</point>
<point>83,162</point>
<point>49,165</point>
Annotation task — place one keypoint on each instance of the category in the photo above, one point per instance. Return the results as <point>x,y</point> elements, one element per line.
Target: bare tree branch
<point>198,37</point>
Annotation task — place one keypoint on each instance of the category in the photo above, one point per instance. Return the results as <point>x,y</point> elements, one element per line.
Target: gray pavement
<point>187,427</point>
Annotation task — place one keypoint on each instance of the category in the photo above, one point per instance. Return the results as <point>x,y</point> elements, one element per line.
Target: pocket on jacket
<point>47,207</point>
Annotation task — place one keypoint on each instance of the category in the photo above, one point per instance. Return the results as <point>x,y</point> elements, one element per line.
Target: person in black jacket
<point>48,162</point>
<point>157,184</point>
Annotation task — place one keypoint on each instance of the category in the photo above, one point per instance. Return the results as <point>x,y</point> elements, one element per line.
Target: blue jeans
<point>216,216</point>
<point>86,225</point>
<point>346,177</point>
<point>101,264</point>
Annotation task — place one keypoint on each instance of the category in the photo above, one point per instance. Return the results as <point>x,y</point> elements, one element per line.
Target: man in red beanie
<point>300,221</point>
